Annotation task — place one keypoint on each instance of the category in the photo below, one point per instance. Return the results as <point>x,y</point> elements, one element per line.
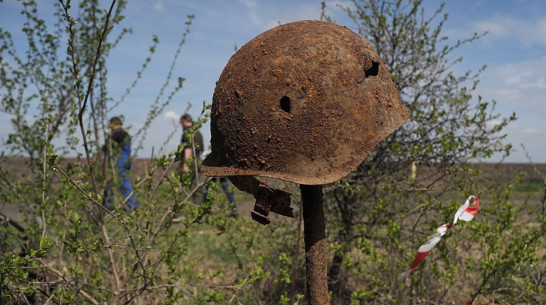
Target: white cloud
<point>250,4</point>
<point>158,6</point>
<point>537,82</point>
<point>532,131</point>
<point>541,31</point>
<point>171,115</point>
<point>303,11</point>
<point>252,7</point>
<point>520,83</point>
<point>495,28</point>
<point>527,32</point>
<point>492,124</point>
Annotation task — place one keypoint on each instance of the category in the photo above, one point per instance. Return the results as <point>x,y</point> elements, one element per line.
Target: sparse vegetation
<point>68,249</point>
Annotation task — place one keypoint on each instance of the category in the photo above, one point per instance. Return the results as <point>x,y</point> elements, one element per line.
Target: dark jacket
<point>121,148</point>
<point>191,139</point>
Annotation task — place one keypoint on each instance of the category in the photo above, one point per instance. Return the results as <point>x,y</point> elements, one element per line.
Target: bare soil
<point>16,169</point>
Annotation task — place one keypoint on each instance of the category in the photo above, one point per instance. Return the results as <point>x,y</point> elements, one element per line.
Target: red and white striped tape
<point>466,212</point>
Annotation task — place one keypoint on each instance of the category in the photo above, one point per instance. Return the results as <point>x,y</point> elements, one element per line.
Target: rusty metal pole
<point>315,244</point>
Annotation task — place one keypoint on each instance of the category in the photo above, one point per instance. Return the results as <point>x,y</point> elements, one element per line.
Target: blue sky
<point>514,52</point>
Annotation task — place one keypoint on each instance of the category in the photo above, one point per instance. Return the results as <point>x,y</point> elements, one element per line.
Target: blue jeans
<point>224,182</point>
<point>125,188</point>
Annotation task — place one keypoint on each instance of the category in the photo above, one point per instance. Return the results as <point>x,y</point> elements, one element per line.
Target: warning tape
<point>466,212</point>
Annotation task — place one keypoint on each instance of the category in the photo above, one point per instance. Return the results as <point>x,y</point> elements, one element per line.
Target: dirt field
<point>17,169</point>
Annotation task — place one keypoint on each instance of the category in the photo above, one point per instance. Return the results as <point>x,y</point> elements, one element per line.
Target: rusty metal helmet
<point>304,102</point>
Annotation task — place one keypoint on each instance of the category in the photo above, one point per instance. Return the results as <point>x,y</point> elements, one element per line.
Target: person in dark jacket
<point>118,149</point>
<point>191,154</point>
<point>191,148</point>
<point>192,142</point>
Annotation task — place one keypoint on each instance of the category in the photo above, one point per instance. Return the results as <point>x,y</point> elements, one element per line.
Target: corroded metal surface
<point>303,102</point>
<point>267,198</point>
<point>315,244</point>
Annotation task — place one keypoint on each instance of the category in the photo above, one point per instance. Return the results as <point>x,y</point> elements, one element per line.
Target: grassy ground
<point>226,244</point>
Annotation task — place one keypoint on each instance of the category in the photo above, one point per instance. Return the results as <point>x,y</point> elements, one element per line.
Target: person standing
<point>118,150</point>
<point>192,150</point>
<point>224,183</point>
<point>189,154</point>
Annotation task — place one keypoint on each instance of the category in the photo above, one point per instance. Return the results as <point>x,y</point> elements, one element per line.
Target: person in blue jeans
<point>191,150</point>
<point>118,149</point>
<point>224,183</point>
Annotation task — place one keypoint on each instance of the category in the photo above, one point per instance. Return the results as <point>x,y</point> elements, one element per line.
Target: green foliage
<point>69,248</point>
<point>380,214</point>
<point>17,272</point>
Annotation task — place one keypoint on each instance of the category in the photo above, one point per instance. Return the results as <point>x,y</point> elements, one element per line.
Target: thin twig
<point>80,291</point>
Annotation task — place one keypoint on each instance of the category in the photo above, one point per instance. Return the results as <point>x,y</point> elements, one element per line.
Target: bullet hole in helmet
<point>373,70</point>
<point>285,104</point>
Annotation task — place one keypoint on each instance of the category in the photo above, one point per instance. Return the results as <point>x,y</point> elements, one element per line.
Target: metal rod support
<point>315,244</point>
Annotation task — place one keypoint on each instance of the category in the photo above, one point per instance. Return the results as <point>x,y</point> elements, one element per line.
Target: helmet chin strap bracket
<point>267,198</point>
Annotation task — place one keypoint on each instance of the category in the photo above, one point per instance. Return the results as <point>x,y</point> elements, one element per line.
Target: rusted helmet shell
<point>304,102</point>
